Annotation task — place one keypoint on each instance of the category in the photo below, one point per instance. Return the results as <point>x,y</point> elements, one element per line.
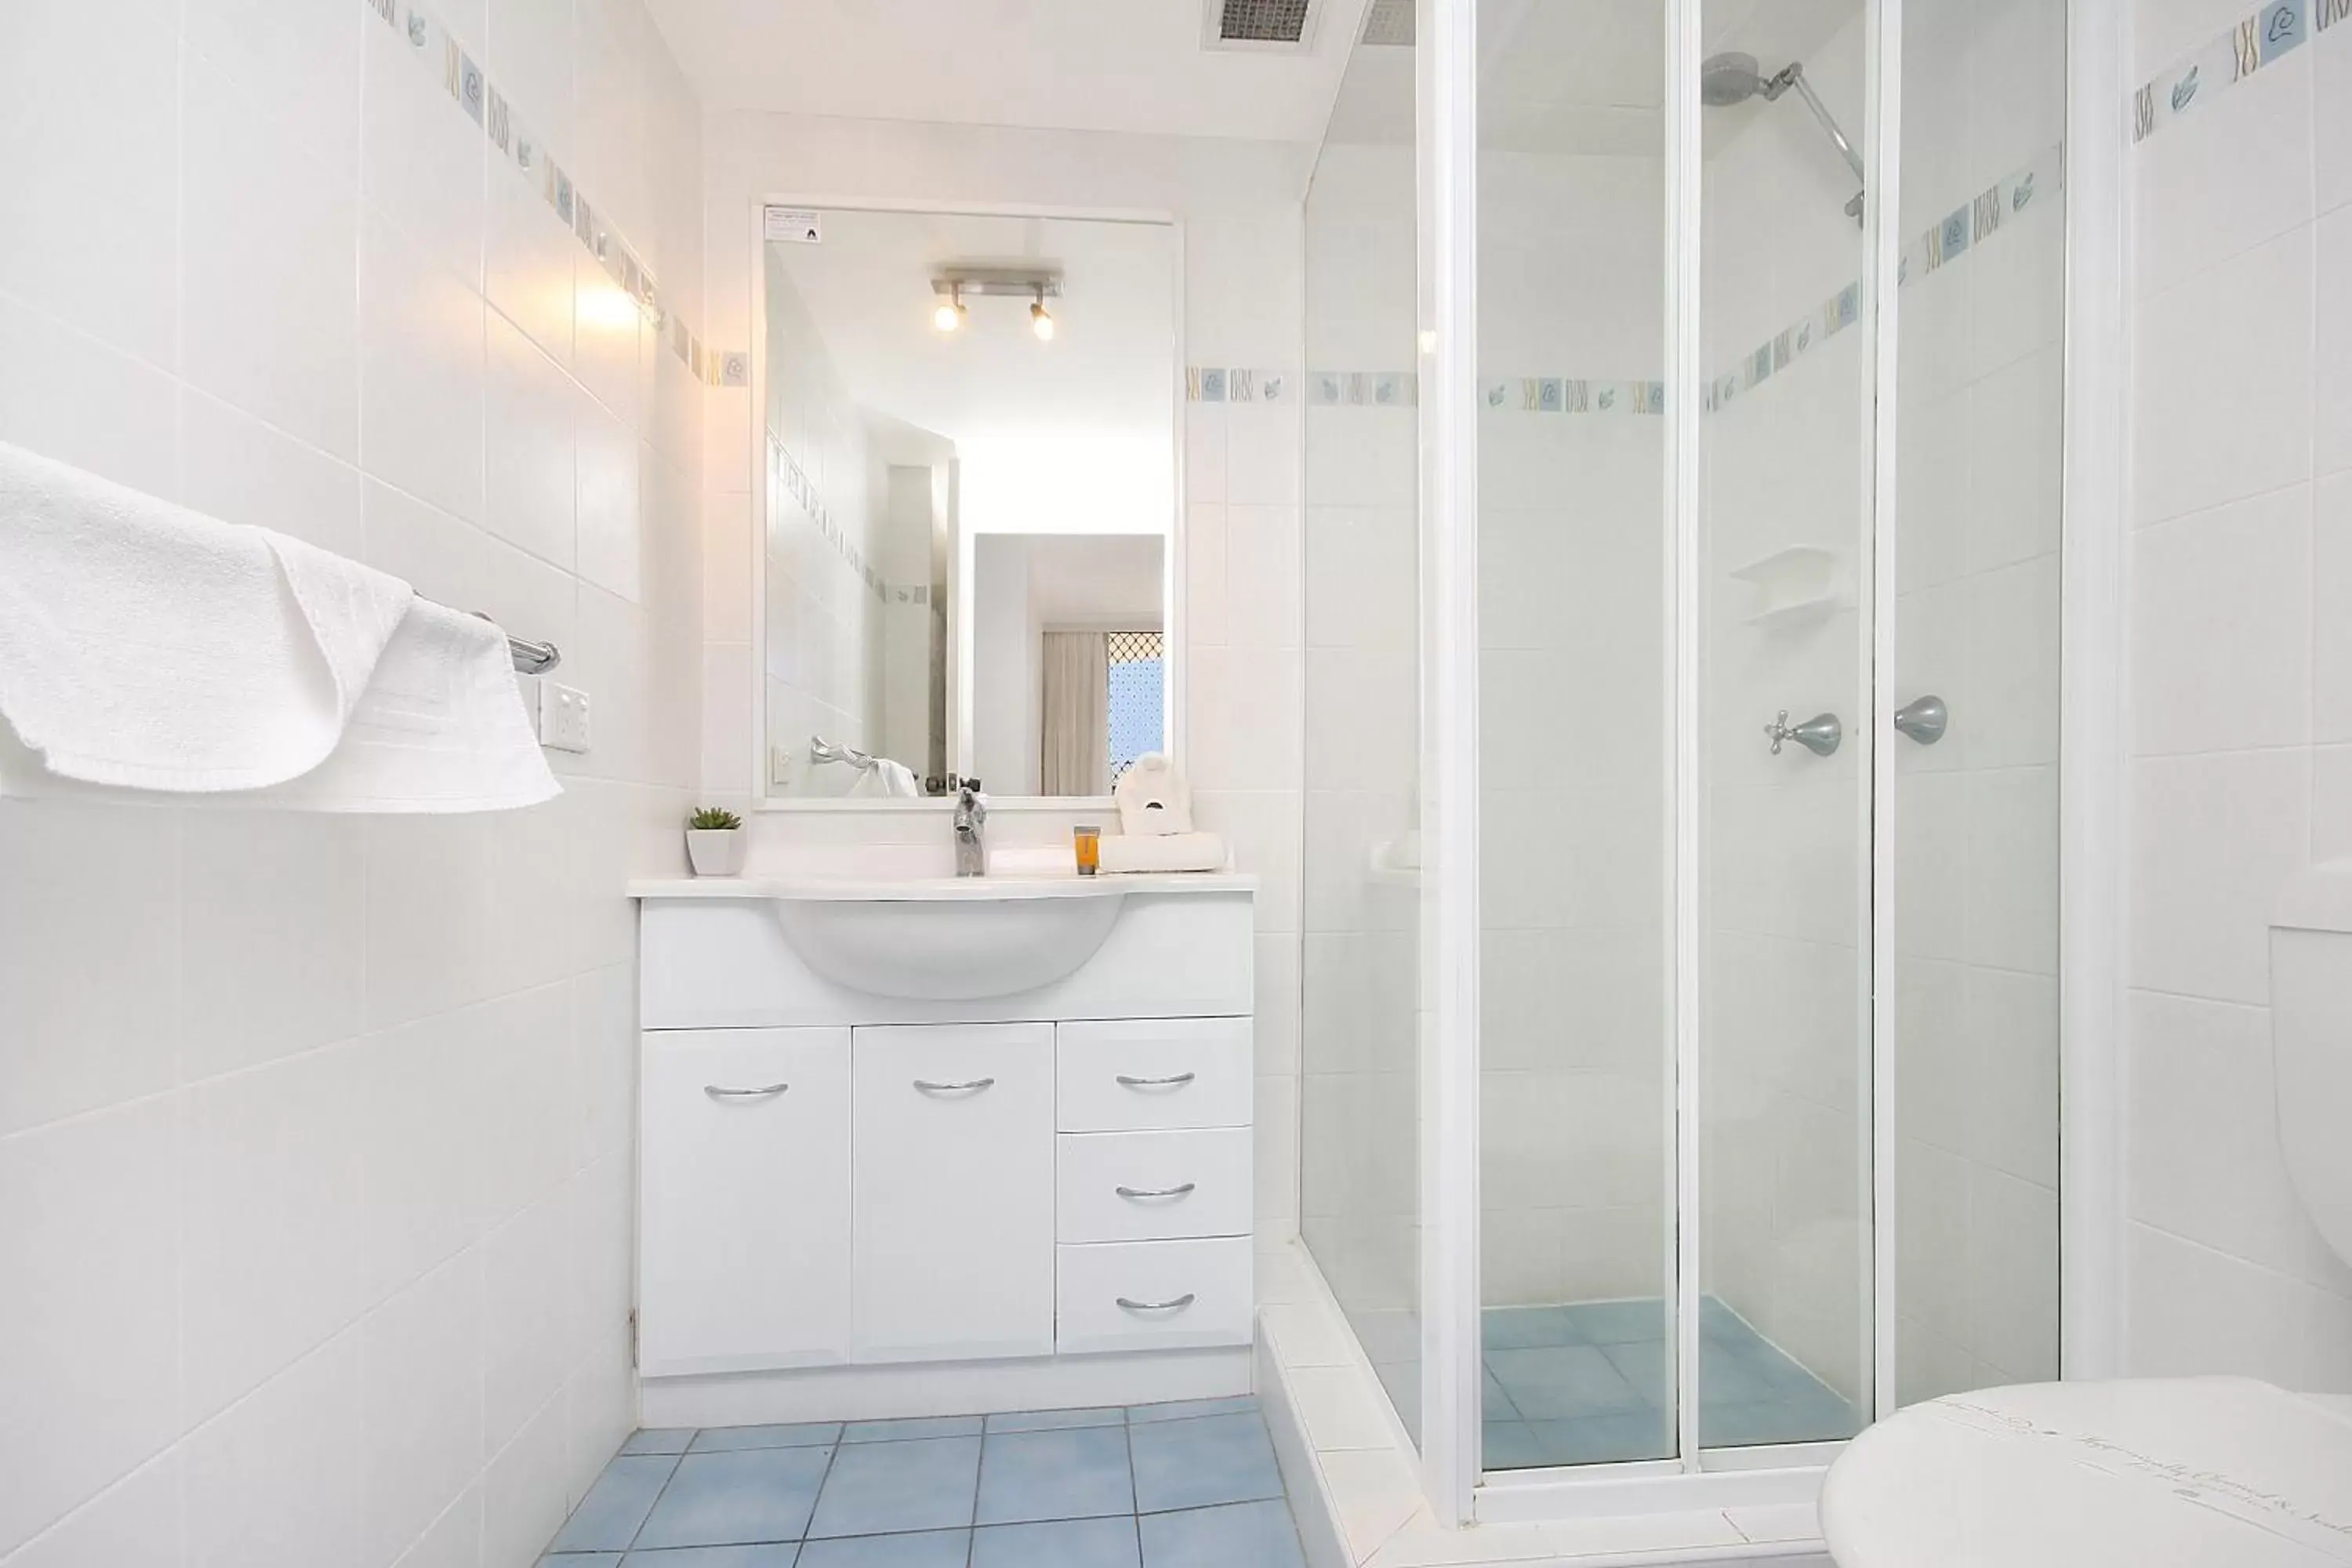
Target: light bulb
<point>1041,323</point>
<point>948,316</point>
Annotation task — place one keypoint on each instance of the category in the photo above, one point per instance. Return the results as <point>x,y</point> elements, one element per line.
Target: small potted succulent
<point>714,842</point>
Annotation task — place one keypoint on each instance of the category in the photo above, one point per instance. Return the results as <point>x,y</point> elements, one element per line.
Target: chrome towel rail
<point>529,657</point>
<point>824,751</point>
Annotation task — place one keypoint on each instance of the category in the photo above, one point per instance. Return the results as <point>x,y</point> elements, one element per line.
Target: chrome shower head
<point>1728,78</point>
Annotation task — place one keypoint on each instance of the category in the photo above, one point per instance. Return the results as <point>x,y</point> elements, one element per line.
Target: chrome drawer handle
<point>1140,1192</point>
<point>974,1086</point>
<point>1178,1081</point>
<point>1178,1305</point>
<point>766,1091</point>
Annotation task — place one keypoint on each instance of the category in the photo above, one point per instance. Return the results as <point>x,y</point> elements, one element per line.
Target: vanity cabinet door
<point>955,1192</point>
<point>745,1243</point>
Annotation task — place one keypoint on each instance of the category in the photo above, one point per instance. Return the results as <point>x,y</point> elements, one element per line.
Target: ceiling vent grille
<point>1284,26</point>
<point>1389,24</point>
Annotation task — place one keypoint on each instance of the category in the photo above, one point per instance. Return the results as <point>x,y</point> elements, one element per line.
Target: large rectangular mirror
<point>970,525</point>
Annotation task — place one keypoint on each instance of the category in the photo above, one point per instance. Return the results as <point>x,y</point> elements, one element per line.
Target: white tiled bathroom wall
<point>1239,205</point>
<point>315,1133</point>
<point>2240,720</point>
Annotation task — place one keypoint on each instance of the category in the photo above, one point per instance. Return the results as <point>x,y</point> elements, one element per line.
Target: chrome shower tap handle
<point>1819,735</point>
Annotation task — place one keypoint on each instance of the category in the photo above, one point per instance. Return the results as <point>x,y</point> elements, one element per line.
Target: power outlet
<point>562,716</point>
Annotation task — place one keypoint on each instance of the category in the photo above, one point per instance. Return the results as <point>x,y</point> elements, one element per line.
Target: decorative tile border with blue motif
<point>1569,395</point>
<point>1220,384</point>
<point>2279,28</point>
<point>1956,234</point>
<point>438,51</point>
<point>786,475</point>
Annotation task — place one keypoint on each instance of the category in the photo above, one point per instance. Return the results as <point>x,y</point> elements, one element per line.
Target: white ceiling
<point>1079,65</point>
<point>1109,371</point>
<point>1581,76</point>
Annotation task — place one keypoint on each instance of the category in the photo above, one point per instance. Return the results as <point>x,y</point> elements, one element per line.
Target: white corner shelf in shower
<point>1796,586</point>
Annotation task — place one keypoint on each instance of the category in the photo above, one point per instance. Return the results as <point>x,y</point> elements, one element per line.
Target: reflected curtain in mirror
<point>1075,758</point>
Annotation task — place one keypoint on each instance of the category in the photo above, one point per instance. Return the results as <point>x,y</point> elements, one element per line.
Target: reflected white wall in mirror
<point>972,524</point>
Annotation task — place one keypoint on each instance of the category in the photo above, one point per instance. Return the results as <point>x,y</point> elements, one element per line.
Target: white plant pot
<point>714,851</point>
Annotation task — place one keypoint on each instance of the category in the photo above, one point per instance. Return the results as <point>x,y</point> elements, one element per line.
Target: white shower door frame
<point>2096,375</point>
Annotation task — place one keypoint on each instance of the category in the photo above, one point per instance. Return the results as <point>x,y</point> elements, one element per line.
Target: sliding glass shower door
<point>1576,1091</point>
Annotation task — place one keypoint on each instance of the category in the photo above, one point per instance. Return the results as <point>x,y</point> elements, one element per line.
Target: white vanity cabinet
<point>746,1194</point>
<point>954,1174</point>
<point>859,1206</point>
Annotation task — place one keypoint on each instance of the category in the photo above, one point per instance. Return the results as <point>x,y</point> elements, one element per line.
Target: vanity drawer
<point>1132,1075</point>
<point>1153,1295</point>
<point>1146,1187</point>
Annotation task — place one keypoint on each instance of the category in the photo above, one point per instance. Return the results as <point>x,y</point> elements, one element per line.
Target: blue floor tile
<point>580,1560</point>
<point>659,1440</point>
<point>1619,1322</point>
<point>1051,1420</point>
<point>770,1554</point>
<point>1603,1439</point>
<point>750,1495</point>
<point>797,1435</point>
<point>608,1517</point>
<point>1497,1404</point>
<point>1204,1462</point>
<point>1241,1535</point>
<point>1078,1472</point>
<point>1562,1381</point>
<point>912,1428</point>
<point>929,1549</point>
<point>1065,1543</point>
<point>1521,1328</point>
<point>1642,1363</point>
<point>879,1488</point>
<point>1186,1409</point>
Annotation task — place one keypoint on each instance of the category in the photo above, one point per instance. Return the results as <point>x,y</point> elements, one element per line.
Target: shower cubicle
<point>1683,499</point>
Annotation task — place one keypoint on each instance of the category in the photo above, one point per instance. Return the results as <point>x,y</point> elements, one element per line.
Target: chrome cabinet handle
<point>766,1091</point>
<point>974,1086</point>
<point>1177,1305</point>
<point>1141,1192</point>
<point>1178,1081</point>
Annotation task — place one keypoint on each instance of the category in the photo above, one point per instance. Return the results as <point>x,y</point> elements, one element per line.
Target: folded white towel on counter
<point>1153,798</point>
<point>146,646</point>
<point>1124,852</point>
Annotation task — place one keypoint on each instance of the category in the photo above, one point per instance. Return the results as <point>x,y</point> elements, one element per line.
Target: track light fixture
<point>958,281</point>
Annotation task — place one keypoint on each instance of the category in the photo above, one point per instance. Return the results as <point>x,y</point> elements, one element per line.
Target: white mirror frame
<point>1177,682</point>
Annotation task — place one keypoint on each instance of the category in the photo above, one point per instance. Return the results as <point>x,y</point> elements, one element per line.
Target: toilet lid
<point>2185,1473</point>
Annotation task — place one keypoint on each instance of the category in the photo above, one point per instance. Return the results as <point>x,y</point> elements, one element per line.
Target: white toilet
<point>2221,1471</point>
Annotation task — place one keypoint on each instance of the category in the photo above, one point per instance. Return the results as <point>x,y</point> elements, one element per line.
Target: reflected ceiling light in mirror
<point>1036,282</point>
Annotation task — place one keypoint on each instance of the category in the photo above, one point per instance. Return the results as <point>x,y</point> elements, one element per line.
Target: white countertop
<point>936,889</point>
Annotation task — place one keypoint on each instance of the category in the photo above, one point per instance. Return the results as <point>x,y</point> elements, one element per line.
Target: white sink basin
<point>948,939</point>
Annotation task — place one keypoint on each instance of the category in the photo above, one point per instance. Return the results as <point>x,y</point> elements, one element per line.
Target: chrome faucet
<point>970,825</point>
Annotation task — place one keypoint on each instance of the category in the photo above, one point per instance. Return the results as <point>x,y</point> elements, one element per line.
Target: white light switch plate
<point>562,716</point>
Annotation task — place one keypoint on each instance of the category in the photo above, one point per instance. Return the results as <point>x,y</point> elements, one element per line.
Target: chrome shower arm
<point>1794,75</point>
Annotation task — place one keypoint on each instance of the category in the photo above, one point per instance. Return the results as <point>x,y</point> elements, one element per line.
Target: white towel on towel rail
<point>147,647</point>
